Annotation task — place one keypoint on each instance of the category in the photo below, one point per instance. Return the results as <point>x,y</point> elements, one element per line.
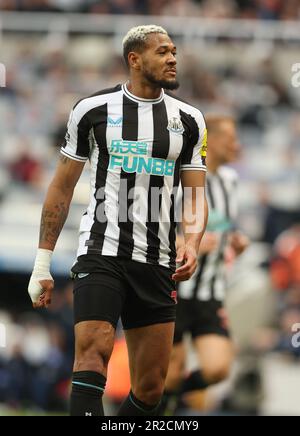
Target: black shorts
<point>142,294</point>
<point>200,318</point>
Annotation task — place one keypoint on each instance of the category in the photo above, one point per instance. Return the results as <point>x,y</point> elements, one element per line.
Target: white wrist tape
<point>40,272</point>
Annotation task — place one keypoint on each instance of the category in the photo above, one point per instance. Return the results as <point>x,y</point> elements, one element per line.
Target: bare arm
<point>54,215</point>
<point>57,202</point>
<point>195,210</point>
<point>194,220</point>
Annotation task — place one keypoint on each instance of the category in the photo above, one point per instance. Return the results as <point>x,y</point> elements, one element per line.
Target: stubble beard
<point>161,83</point>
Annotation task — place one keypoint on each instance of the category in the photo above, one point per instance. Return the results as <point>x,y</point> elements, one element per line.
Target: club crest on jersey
<point>114,123</point>
<point>175,125</point>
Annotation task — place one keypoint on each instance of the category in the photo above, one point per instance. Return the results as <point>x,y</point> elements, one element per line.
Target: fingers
<point>40,302</point>
<point>185,271</point>
<point>44,299</point>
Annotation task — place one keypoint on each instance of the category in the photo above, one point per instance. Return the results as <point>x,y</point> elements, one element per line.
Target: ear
<point>134,60</point>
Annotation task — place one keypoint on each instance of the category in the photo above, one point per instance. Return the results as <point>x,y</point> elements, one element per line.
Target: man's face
<point>158,62</point>
<point>224,143</point>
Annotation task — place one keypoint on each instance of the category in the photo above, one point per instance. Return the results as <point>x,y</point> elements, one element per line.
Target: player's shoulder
<point>185,107</point>
<point>100,97</point>
<point>228,174</point>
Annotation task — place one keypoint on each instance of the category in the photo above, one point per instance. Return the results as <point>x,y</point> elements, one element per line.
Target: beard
<point>161,83</point>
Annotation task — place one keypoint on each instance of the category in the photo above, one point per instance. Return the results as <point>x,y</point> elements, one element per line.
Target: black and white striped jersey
<point>137,148</point>
<point>209,280</point>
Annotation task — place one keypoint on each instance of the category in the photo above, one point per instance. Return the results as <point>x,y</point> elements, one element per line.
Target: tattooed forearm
<point>58,200</point>
<point>52,222</point>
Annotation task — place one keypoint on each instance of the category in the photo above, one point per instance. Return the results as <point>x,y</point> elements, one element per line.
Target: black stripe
<point>98,118</point>
<point>161,145</point>
<point>198,278</point>
<point>172,232</point>
<point>129,132</point>
<point>83,133</point>
<point>192,137</point>
<point>102,92</point>
<point>84,125</point>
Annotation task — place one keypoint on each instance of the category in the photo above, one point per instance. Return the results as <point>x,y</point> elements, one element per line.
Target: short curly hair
<point>135,40</point>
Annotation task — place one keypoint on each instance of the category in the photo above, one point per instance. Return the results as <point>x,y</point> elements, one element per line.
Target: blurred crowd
<point>36,364</point>
<point>249,9</point>
<point>45,77</point>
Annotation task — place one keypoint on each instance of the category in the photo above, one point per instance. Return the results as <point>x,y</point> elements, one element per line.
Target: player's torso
<point>141,138</point>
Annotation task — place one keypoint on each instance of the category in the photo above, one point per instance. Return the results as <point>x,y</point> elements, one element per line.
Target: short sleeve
<point>77,139</point>
<point>194,155</point>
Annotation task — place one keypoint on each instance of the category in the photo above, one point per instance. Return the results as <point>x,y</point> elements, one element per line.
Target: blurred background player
<point>200,309</point>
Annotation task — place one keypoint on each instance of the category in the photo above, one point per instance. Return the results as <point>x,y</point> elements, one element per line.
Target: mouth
<point>172,72</point>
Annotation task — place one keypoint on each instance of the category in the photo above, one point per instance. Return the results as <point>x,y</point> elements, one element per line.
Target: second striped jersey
<point>209,280</point>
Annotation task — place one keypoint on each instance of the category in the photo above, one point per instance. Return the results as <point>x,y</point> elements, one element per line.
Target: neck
<point>142,89</point>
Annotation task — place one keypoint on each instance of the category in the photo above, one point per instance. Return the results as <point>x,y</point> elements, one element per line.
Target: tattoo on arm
<point>52,222</point>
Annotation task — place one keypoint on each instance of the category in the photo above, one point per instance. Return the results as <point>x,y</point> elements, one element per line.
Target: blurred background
<point>235,57</point>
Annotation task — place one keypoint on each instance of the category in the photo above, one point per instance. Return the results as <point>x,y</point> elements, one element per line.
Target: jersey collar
<point>142,100</point>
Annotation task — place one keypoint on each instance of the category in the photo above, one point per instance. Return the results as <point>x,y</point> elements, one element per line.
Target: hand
<point>40,289</point>
<point>239,242</point>
<point>187,256</point>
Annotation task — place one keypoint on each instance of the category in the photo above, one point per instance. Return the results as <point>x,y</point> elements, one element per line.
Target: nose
<point>171,59</point>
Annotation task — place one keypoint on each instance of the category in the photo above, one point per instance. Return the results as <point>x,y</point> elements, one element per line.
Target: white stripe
<point>140,99</point>
<point>220,286</point>
<point>73,157</point>
<point>90,103</point>
<point>112,185</point>
<point>192,168</point>
<point>87,220</point>
<point>176,143</point>
<point>76,116</point>
<point>142,181</point>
